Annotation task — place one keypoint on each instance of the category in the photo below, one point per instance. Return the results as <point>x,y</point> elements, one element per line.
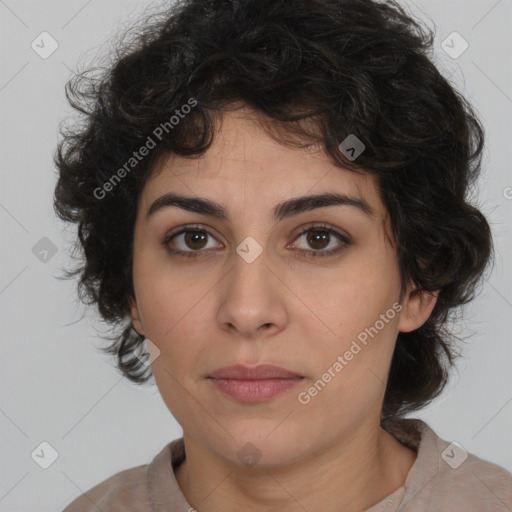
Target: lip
<point>257,384</point>
<point>254,390</point>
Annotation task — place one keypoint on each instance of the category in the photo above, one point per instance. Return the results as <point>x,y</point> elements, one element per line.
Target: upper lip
<point>263,371</point>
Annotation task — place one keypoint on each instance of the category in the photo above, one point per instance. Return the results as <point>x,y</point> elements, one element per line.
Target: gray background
<point>59,388</point>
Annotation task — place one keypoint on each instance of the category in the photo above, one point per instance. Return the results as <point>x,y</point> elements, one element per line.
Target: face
<point>311,289</point>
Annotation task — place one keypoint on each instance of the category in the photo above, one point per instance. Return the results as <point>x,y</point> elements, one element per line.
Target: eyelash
<point>309,227</point>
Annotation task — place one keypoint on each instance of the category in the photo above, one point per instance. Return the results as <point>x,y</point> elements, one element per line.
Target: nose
<point>253,299</point>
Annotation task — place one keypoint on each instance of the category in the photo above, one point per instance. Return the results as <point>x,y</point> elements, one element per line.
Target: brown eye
<point>195,239</point>
<point>188,242</point>
<point>318,238</point>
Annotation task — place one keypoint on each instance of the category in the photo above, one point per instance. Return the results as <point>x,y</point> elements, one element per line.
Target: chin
<point>260,447</point>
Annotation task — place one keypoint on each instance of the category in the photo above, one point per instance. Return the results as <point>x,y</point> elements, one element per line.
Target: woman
<point>272,201</point>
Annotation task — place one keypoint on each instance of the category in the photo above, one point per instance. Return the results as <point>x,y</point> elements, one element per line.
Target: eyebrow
<point>281,211</point>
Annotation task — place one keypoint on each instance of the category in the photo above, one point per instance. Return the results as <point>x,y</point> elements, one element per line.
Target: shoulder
<point>445,476</point>
<point>135,489</point>
<point>124,491</point>
<point>477,484</point>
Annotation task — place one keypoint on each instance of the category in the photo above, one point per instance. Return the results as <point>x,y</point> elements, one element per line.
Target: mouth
<point>257,384</point>
<point>252,390</point>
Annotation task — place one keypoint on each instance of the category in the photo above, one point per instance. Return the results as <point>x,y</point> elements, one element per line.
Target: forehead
<point>245,164</point>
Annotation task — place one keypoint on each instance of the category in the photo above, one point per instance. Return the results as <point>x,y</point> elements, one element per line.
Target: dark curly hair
<point>319,70</point>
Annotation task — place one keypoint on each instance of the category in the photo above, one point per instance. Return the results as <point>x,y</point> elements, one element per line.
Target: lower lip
<point>254,390</point>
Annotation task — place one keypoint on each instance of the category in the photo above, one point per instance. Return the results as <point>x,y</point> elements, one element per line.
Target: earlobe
<point>417,309</point>
<point>135,316</point>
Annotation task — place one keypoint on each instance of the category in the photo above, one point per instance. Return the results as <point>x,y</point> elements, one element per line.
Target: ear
<point>416,309</point>
<point>135,316</point>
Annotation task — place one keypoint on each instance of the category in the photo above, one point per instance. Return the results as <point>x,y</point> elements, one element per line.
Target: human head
<point>321,70</point>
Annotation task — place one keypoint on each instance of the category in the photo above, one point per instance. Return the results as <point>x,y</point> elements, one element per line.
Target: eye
<point>191,240</point>
<point>194,239</point>
<point>321,236</point>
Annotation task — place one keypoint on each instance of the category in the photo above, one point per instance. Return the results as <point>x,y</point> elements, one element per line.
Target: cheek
<point>163,297</point>
<point>359,330</point>
<point>364,306</point>
<point>351,374</point>
<point>173,310</point>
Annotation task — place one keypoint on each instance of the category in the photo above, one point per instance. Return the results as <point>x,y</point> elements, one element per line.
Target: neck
<point>350,474</point>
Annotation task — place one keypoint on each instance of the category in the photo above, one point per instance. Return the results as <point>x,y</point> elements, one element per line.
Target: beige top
<point>443,478</point>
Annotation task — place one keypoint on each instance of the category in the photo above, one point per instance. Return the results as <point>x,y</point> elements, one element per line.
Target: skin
<point>284,308</point>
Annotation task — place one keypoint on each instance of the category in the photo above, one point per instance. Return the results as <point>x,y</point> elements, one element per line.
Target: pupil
<point>194,236</point>
<point>318,237</point>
